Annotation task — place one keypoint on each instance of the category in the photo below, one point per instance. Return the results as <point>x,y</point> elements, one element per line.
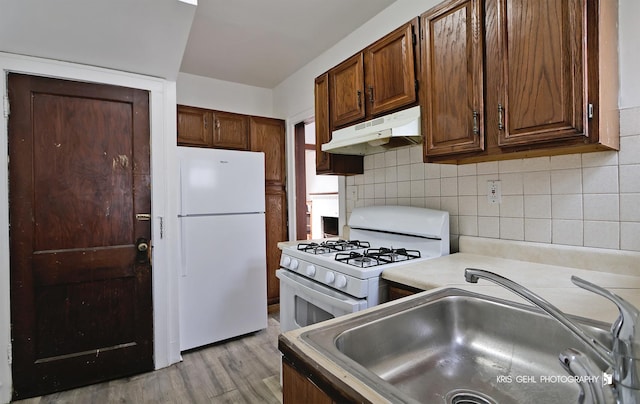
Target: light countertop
<point>551,282</point>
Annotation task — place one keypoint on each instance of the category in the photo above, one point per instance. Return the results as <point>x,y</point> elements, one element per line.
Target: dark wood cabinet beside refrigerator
<point>268,135</point>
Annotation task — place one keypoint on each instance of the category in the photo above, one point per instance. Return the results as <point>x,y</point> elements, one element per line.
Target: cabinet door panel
<point>276,223</point>
<point>347,91</point>
<point>452,97</point>
<point>296,388</point>
<point>230,131</point>
<point>390,72</point>
<point>327,163</point>
<point>542,55</point>
<point>323,129</point>
<point>267,135</point>
<point>194,126</point>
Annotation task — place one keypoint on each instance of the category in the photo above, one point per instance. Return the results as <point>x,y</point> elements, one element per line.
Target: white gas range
<point>322,280</point>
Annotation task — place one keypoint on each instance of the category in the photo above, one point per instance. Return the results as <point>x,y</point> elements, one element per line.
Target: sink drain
<point>467,397</point>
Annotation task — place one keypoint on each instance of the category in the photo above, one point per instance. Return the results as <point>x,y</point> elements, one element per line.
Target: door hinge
<point>9,354</point>
<point>590,111</point>
<point>5,106</point>
<point>416,85</point>
<point>414,40</point>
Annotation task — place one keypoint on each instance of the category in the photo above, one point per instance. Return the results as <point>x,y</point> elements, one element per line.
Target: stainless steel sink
<point>456,346</point>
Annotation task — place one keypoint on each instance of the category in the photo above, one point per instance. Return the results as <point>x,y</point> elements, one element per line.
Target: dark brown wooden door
<point>194,126</point>
<point>390,75</point>
<point>452,94</point>
<point>542,54</point>
<point>81,307</point>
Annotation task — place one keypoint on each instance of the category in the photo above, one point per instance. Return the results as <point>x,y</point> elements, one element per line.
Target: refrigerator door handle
<point>183,247</point>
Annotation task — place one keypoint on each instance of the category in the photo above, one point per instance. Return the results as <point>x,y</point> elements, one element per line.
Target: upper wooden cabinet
<point>347,91</point>
<point>379,79</point>
<point>194,126</point>
<point>230,131</point>
<point>550,77</point>
<point>327,163</point>
<point>207,128</point>
<point>542,90</point>
<point>323,126</point>
<point>452,90</point>
<point>390,70</point>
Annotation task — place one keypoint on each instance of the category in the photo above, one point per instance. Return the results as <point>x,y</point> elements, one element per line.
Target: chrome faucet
<point>623,359</point>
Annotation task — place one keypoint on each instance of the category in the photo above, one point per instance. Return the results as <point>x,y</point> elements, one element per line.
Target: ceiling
<point>261,43</point>
<point>253,42</point>
<point>141,36</point>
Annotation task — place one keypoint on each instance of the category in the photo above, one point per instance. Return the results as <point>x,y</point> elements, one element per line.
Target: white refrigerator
<point>223,285</point>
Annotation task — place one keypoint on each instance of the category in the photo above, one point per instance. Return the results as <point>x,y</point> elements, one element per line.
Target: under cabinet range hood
<point>399,129</point>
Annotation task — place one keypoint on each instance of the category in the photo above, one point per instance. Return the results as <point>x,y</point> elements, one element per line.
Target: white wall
<point>164,201</point>
<point>197,91</point>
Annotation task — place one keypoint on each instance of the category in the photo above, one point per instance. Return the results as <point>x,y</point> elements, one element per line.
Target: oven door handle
<point>320,292</point>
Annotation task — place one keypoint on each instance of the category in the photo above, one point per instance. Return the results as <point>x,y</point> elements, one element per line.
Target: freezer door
<point>214,181</point>
<point>223,280</point>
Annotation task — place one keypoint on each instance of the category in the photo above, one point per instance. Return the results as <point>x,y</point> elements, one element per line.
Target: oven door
<point>304,302</point>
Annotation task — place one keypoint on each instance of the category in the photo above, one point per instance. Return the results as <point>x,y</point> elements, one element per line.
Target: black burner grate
<point>332,246</point>
<point>376,256</point>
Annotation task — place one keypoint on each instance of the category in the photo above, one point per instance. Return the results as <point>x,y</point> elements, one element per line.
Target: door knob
<point>142,245</point>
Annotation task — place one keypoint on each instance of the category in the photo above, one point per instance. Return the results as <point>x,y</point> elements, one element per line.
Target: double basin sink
<point>455,346</point>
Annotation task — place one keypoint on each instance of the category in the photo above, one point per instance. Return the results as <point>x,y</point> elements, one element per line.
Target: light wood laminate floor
<point>243,370</point>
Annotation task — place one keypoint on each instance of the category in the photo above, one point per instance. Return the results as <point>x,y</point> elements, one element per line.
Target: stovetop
<point>351,257</point>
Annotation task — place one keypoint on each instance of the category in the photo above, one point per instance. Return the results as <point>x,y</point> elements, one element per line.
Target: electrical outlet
<point>494,192</point>
<point>353,193</point>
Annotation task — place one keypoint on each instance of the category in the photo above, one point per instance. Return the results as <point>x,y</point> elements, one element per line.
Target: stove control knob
<point>294,264</point>
<point>311,271</point>
<point>286,261</point>
<point>329,277</point>
<point>341,281</point>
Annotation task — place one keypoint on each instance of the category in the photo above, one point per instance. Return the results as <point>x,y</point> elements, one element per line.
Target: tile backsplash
<point>590,199</point>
